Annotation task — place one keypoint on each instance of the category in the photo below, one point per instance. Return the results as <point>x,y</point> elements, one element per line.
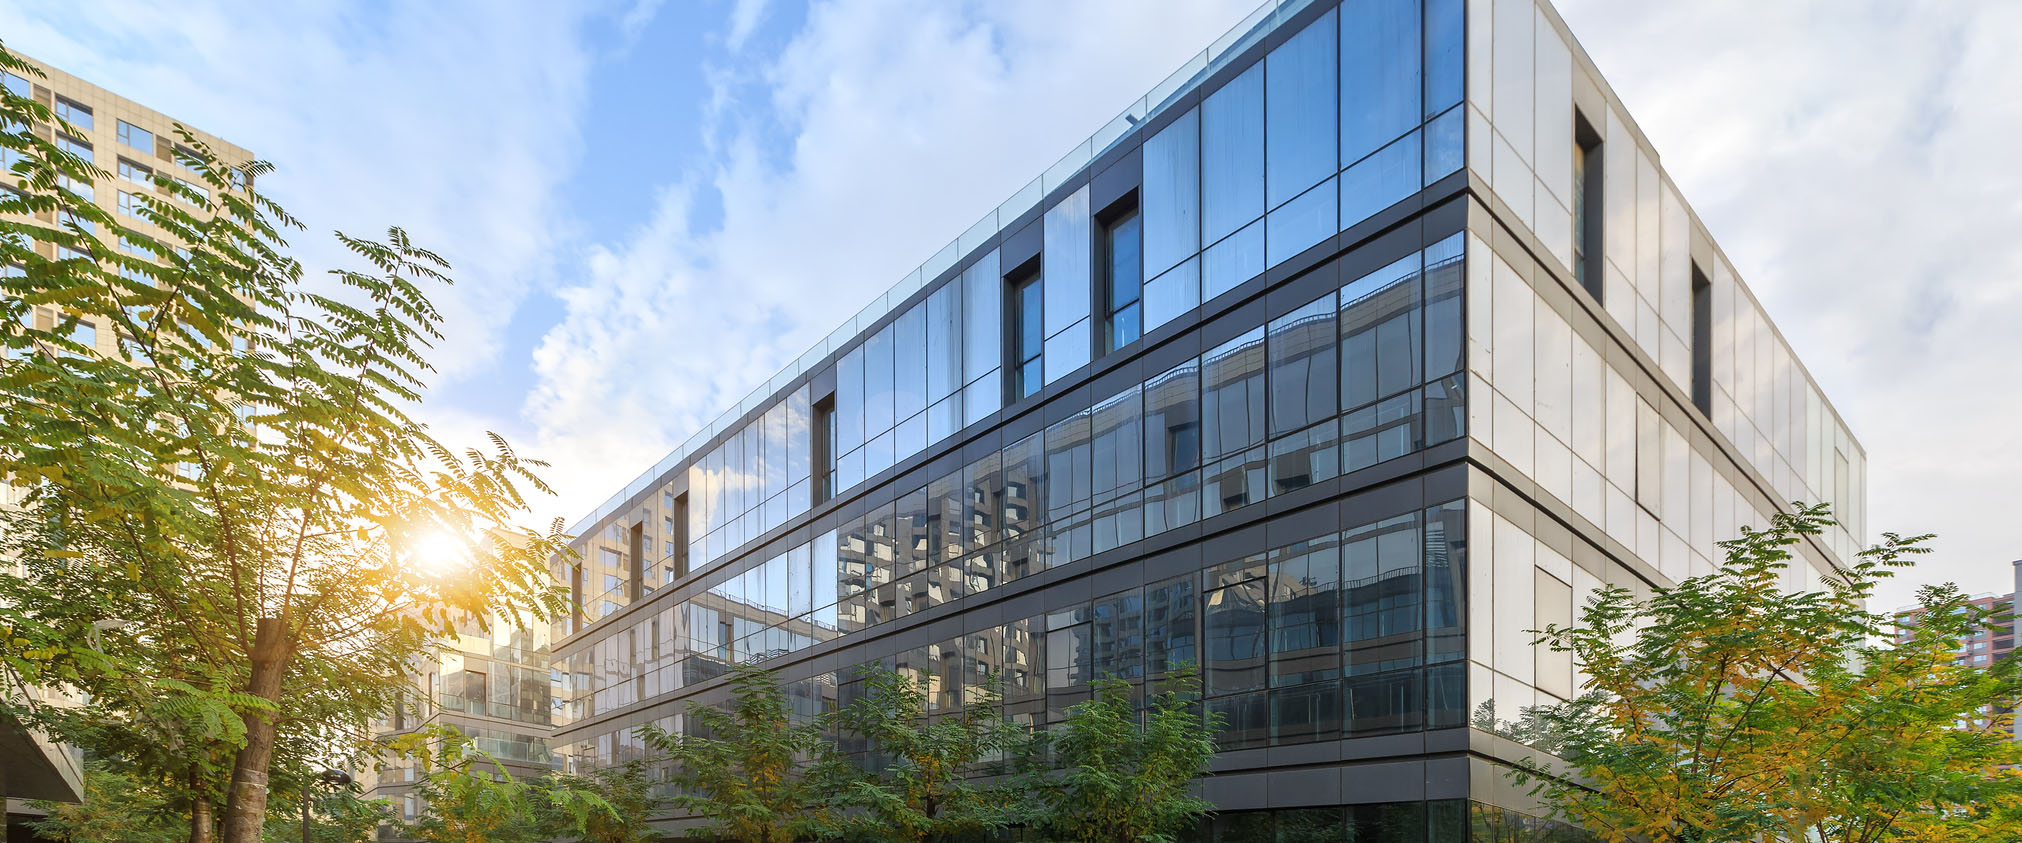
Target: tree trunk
<point>246,802</point>
<point>200,809</point>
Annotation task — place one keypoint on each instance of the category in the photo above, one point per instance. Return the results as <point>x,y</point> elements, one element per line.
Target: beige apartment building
<point>133,144</point>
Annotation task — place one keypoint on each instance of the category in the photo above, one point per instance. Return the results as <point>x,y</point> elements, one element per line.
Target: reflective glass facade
<point>1287,379</point>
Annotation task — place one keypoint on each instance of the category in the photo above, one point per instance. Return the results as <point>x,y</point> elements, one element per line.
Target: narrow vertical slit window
<point>1123,276</point>
<point>824,450</point>
<point>1587,210</point>
<point>1702,342</point>
<point>677,537</point>
<point>1028,334</point>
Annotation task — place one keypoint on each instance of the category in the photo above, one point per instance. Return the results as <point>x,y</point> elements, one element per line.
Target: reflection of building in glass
<point>1368,341</point>
<point>135,146</point>
<point>494,685</point>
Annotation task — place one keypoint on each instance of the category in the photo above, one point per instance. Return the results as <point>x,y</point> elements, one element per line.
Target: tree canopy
<point>1729,708</point>
<point>215,482</point>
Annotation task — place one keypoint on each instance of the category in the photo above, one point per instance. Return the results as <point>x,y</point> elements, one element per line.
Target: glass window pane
<point>1299,103</point>
<point>1117,434</point>
<point>982,501</point>
<point>1394,821</point>
<point>1024,486</point>
<point>1379,181</point>
<point>1445,580</point>
<point>1172,194</point>
<point>1065,262</point>
<point>909,363</point>
<point>1232,155</point>
<point>1117,636</point>
<point>1379,74</point>
<point>1381,431</point>
<point>878,382</point>
<point>1235,622</point>
<point>1383,703</point>
<point>1445,52</point>
<point>1067,351</point>
<point>1302,358</point>
<point>982,398</point>
<point>1379,333</point>
<point>849,400</point>
<point>982,306</point>
<point>1305,582</point>
<point>1380,574</point>
<point>1067,466</point>
<point>1123,278</point>
<point>1246,724</point>
<point>1445,350</point>
<point>799,415</point>
<point>1173,421</point>
<point>1236,259</point>
<point>1169,627</point>
<point>944,342</point>
<point>1445,145</point>
<point>1298,715</point>
<point>827,571</point>
<point>1232,395</point>
<point>913,527</point>
<point>1299,224</point>
<point>1172,294</point>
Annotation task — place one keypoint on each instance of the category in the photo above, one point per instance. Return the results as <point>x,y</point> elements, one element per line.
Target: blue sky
<point>654,204</point>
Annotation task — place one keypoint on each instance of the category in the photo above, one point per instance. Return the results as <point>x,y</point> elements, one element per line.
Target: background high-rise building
<point>1985,647</point>
<point>1371,339</point>
<point>134,144</point>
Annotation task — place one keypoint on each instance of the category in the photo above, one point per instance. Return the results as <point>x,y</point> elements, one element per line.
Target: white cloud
<point>880,132</point>
<point>453,120</point>
<point>744,17</point>
<point>1857,161</point>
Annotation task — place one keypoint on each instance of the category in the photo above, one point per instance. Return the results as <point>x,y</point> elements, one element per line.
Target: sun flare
<point>439,552</point>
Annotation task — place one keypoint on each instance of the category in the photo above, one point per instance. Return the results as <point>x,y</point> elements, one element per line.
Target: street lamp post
<point>338,778</point>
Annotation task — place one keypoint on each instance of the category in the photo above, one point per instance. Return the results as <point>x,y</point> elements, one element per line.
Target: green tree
<point>117,808</point>
<point>471,798</point>
<point>745,767</point>
<point>1729,709</point>
<point>1119,777</point>
<point>919,784</point>
<point>335,815</point>
<point>624,788</point>
<point>216,506</point>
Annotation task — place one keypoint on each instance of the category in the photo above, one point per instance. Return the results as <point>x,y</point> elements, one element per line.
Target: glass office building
<point>1371,339</point>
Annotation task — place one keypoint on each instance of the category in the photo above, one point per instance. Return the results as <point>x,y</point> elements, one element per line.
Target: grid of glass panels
<point>1210,180</point>
<point>1256,417</point>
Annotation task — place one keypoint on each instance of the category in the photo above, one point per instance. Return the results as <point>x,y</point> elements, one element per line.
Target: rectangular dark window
<point>1587,210</point>
<point>824,450</point>
<point>677,540</point>
<point>1028,334</point>
<point>1123,277</point>
<point>1702,342</point>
